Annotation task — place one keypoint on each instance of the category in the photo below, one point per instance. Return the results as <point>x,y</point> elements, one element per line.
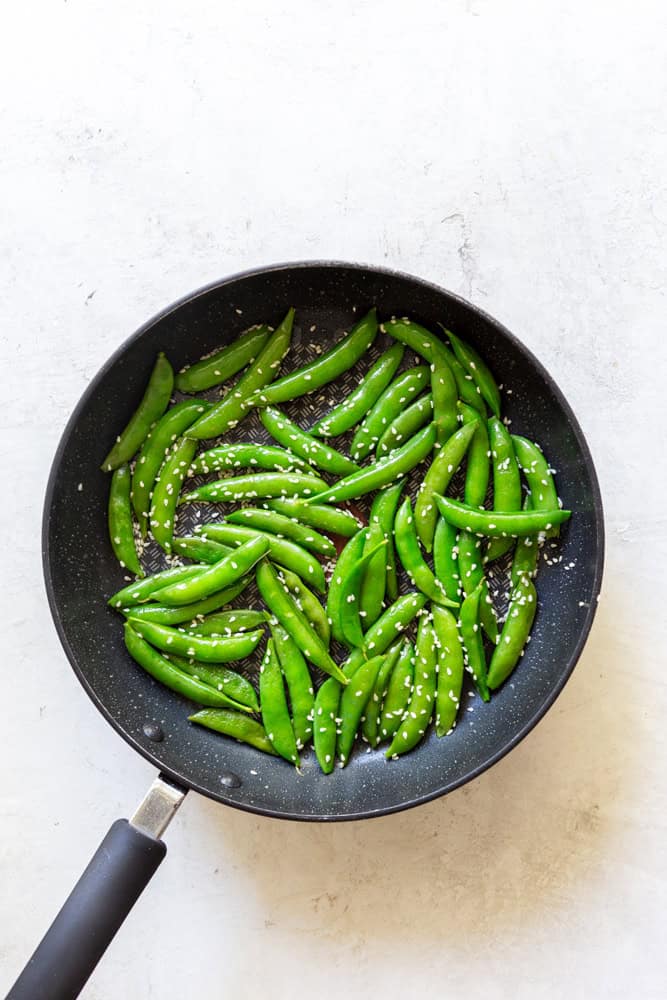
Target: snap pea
<point>352,703</point>
<point>471,572</point>
<point>477,468</point>
<point>217,368</point>
<point>299,684</point>
<point>254,486</point>
<point>349,556</point>
<point>163,436</point>
<point>238,726</point>
<point>322,516</point>
<point>415,722</point>
<point>474,365</point>
<point>468,391</point>
<point>514,635</point>
<point>202,549</point>
<point>438,477</point>
<point>198,647</point>
<point>393,400</point>
<point>303,444</point>
<point>399,691</point>
<point>383,511</point>
<point>121,531</point>
<point>281,604</point>
<point>396,465</point>
<point>285,527</point>
<point>166,673</point>
<point>450,670</point>
<point>526,554</point>
<point>387,629</point>
<point>358,403</point>
<point>506,482</point>
<point>325,369</point>
<point>407,547</point>
<point>229,622</point>
<point>281,550</point>
<point>273,705</point>
<point>370,727</point>
<point>497,524</point>
<point>153,404</point>
<point>166,492</point>
<point>246,456</point>
<point>217,576</point>
<point>445,558</point>
<point>306,602</point>
<point>233,685</point>
<point>325,726</point>
<point>471,635</point>
<point>539,477</point>
<point>166,615</point>
<point>374,575</point>
<point>350,596</point>
<point>407,423</point>
<point>143,590</point>
<point>235,404</point>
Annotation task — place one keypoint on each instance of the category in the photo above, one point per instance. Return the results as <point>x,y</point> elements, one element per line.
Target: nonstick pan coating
<point>81,571</point>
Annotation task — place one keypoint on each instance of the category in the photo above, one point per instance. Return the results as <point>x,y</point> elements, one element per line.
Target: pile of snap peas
<point>404,608</point>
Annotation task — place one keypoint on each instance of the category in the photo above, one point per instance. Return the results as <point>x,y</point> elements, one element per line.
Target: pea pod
<point>397,465</point>
<point>325,369</point>
<point>437,479</point>
<point>348,558</point>
<point>233,724</point>
<point>325,726</point>
<point>477,468</point>
<point>469,392</point>
<point>235,404</point>
<point>450,670</point>
<point>252,487</point>
<point>229,622</point>
<point>445,558</point>
<point>471,572</point>
<point>407,423</point>
<point>239,691</point>
<point>198,647</point>
<point>374,578</point>
<point>526,554</point>
<point>282,526</point>
<point>474,365</point>
<point>348,413</point>
<point>407,547</point>
<point>281,550</point>
<point>316,453</point>
<point>370,728</point>
<point>143,590</point>
<point>415,722</point>
<point>350,605</point>
<point>202,549</point>
<point>540,480</point>
<point>387,629</point>
<point>299,684</point>
<point>496,524</point>
<point>219,575</point>
<point>167,615</point>
<point>471,635</point>
<point>153,404</point>
<point>307,603</point>
<point>515,633</point>
<point>163,436</point>
<point>167,490</point>
<point>352,703</point>
<point>383,511</point>
<point>403,389</point>
<point>506,482</point>
<point>225,363</point>
<point>246,456</point>
<point>399,692</point>
<point>273,704</point>
<point>321,516</point>
<point>121,531</point>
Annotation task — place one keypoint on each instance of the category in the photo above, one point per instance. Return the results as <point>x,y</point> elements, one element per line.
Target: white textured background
<point>513,152</point>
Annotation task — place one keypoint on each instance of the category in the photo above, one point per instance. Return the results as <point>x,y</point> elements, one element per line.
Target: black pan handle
<point>118,873</point>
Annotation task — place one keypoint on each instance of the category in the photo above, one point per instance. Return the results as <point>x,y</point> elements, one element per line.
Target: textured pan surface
<point>81,571</point>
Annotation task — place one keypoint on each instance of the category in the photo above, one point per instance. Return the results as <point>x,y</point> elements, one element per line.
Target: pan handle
<point>119,871</point>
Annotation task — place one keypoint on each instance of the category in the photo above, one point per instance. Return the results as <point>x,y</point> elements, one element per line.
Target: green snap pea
<point>450,670</point>
<point>405,425</point>
<point>252,487</point>
<point>166,492</point>
<point>539,477</point>
<point>387,629</point>
<point>474,365</point>
<point>285,527</point>
<point>198,647</point>
<point>166,673</point>
<point>526,554</point>
<point>229,622</point>
<point>246,456</point>
<point>471,572</point>
<point>166,615</point>
<point>374,575</point>
<point>370,728</point>
<point>407,547</point>
<point>350,604</point>
<point>229,361</point>
<point>445,558</point>
<point>325,369</point>
<point>153,404</point>
<point>415,722</point>
<point>282,605</point>
<point>202,549</point>
<point>331,519</point>
<point>468,391</point>
<point>307,603</point>
<point>395,466</point>
<point>437,479</point>
<point>497,524</point>
<point>233,685</point>
<point>235,404</point>
<point>325,726</point>
<point>348,558</point>
<point>401,391</point>
<point>479,453</point>
<point>233,724</point>
<point>383,511</point>
<point>399,691</point>
<point>471,635</point>
<point>348,413</point>
<point>121,530</point>
<point>273,704</point>
<point>143,590</point>
<point>506,482</point>
<point>299,685</point>
<point>161,439</point>
<point>303,444</point>
<point>352,703</point>
<point>514,635</point>
<point>281,550</point>
<point>217,576</point>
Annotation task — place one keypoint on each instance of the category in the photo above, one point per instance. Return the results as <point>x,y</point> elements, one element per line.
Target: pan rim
<point>395,807</point>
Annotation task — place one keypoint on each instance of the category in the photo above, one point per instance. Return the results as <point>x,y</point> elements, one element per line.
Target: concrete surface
<point>514,153</point>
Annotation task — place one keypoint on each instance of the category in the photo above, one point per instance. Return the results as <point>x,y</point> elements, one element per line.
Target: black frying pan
<point>81,571</point>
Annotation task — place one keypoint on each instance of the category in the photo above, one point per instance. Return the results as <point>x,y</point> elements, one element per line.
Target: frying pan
<point>81,571</point>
